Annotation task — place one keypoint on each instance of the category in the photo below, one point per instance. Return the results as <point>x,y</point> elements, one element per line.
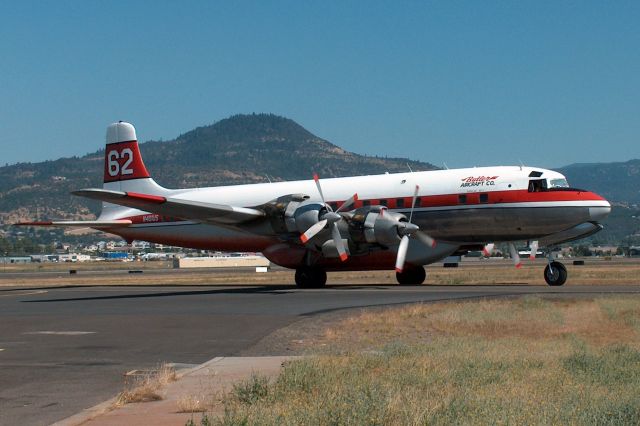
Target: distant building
<point>634,251</point>
<point>15,259</point>
<point>74,257</point>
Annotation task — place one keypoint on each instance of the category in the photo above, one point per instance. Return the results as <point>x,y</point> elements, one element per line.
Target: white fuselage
<point>459,206</point>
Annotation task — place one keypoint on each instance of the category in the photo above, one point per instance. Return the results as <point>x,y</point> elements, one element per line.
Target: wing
<point>168,206</point>
<point>73,223</point>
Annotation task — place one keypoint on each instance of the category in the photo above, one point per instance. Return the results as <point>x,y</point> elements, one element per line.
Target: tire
<point>308,277</point>
<point>559,275</point>
<point>414,275</point>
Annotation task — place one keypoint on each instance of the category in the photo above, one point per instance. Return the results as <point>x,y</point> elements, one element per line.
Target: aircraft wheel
<point>309,277</point>
<point>411,276</point>
<point>555,274</point>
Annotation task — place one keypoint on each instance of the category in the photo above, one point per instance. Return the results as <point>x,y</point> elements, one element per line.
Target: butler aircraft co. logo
<point>478,181</point>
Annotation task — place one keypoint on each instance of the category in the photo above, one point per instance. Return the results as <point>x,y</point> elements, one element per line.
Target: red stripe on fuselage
<point>445,200</point>
<point>494,197</point>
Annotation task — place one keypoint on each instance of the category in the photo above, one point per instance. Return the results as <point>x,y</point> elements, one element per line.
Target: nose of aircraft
<point>598,213</point>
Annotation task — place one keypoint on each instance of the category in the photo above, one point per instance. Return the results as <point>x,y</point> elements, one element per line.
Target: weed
<point>146,387</point>
<point>252,390</point>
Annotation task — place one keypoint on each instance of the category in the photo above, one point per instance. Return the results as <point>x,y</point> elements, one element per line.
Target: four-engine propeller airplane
<point>405,220</point>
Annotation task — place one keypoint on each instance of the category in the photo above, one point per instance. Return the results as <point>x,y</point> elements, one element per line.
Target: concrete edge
<point>109,405</point>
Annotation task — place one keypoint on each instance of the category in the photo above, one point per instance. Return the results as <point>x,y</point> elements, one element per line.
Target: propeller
<point>408,229</point>
<point>330,218</point>
<point>515,256</point>
<point>534,249</point>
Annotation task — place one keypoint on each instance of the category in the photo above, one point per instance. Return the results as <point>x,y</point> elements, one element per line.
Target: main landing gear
<point>310,277</point>
<point>411,275</point>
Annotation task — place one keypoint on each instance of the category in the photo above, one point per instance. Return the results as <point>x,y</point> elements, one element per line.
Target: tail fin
<point>123,166</point>
<point>124,169</point>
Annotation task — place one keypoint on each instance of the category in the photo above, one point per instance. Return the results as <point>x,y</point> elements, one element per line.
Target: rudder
<point>124,169</point>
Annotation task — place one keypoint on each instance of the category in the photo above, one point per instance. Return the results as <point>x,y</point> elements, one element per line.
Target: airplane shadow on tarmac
<point>270,289</point>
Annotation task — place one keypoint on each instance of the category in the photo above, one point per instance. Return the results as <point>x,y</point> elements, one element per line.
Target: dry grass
<point>147,386</point>
<point>193,404</point>
<point>469,273</point>
<point>523,361</point>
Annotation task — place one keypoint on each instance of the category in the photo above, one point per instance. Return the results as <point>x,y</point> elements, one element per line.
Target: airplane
<point>399,221</point>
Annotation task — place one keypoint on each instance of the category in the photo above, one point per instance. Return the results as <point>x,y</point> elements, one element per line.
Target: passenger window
<point>399,203</point>
<point>384,202</point>
<point>484,198</point>
<point>334,206</point>
<point>366,203</point>
<point>418,202</point>
<point>462,199</point>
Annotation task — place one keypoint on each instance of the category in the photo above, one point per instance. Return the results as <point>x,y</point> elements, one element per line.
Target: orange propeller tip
<point>316,177</point>
<point>344,257</point>
<point>398,270</point>
<point>303,238</point>
<point>519,265</point>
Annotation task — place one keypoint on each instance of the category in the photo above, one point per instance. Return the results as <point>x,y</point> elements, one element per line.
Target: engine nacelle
<point>375,225</point>
<point>281,212</point>
<point>305,215</point>
<point>293,214</point>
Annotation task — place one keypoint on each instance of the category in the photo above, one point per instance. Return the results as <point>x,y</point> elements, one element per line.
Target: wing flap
<point>169,206</point>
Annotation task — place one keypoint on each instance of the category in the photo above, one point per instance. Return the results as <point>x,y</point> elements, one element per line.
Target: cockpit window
<point>537,185</point>
<point>558,183</point>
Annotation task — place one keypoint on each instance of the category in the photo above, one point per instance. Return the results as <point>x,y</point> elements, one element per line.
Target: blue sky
<point>461,83</point>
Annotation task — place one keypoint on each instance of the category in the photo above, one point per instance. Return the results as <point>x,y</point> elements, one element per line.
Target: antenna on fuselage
<point>445,165</point>
<point>267,176</point>
<point>521,163</point>
<point>409,168</point>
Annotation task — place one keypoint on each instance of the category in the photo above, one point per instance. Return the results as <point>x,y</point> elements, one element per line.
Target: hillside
<point>236,150</point>
<point>618,182</point>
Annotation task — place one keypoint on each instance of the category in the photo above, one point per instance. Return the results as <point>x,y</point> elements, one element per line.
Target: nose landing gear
<point>555,274</point>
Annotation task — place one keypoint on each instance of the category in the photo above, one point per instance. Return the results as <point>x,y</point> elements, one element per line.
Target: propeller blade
<point>313,230</point>
<point>488,249</point>
<point>515,256</point>
<point>348,203</point>
<point>413,202</point>
<point>337,239</point>
<point>402,253</point>
<point>534,250</point>
<point>426,239</point>
<point>316,178</point>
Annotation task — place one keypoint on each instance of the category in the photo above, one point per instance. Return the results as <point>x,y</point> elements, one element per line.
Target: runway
<point>66,349</point>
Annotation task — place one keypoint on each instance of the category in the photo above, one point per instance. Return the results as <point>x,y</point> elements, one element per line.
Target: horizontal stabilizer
<point>173,207</point>
<point>73,223</point>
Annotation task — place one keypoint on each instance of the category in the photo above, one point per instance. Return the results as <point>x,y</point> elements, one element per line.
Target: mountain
<point>620,184</point>
<point>236,150</point>
<point>617,182</point>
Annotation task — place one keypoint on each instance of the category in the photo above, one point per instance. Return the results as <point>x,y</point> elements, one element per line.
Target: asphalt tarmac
<point>66,349</point>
